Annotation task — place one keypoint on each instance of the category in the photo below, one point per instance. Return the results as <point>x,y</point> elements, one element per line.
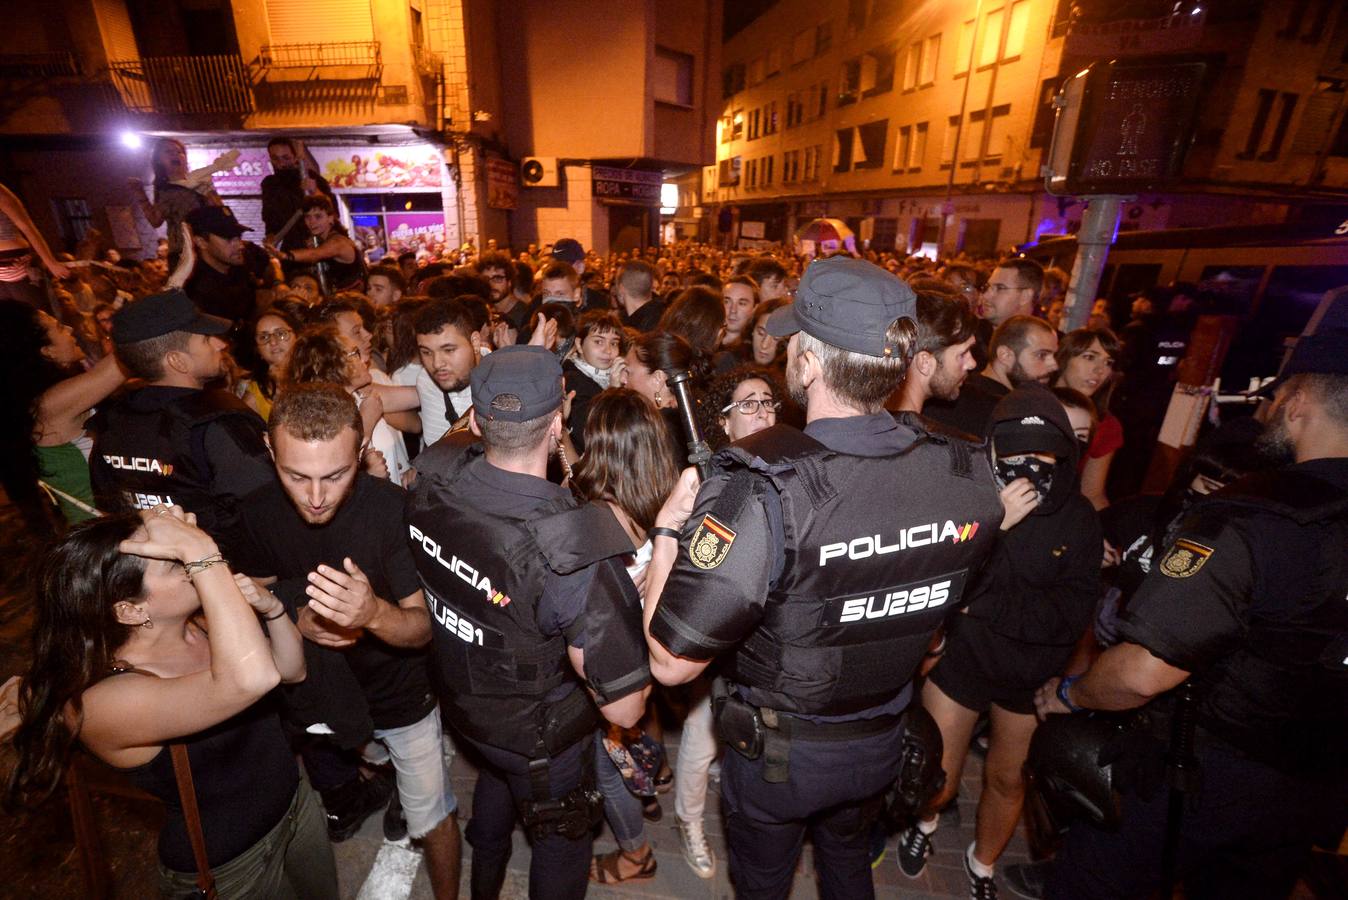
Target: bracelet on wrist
<point>196,567</point>
<point>280,615</point>
<point>1063,686</point>
<point>662,531</point>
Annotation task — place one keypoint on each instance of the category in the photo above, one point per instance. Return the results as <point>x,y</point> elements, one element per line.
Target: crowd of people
<point>845,518</point>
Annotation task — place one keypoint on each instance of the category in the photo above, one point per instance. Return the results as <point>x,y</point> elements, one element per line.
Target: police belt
<point>806,730</point>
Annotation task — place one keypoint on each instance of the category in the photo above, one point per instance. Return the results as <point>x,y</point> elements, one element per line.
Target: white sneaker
<point>696,850</point>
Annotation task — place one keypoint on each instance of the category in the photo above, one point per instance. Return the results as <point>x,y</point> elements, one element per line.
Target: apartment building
<point>925,124</point>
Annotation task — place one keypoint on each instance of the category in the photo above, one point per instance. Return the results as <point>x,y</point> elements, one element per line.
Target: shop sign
<point>503,183</point>
<point>380,168</point>
<point>244,178</point>
<point>415,232</point>
<point>626,185</point>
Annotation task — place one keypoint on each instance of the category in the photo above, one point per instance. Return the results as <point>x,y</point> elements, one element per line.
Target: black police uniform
<point>202,450</point>
<point>515,573</point>
<point>825,562</point>
<point>1250,597</point>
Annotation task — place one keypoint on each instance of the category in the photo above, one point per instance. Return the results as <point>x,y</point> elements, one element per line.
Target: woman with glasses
<point>739,403</point>
<point>274,335</point>
<point>1086,362</point>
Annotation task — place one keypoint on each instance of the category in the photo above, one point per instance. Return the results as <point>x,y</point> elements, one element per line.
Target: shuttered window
<point>319,21</point>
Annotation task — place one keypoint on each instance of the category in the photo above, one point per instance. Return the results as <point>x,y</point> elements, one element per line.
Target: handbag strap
<point>187,793</point>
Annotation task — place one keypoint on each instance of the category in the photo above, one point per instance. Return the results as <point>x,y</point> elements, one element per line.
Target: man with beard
<point>1248,604</point>
<point>449,348</point>
<point>173,441</point>
<point>943,358</point>
<point>499,273</point>
<point>1021,352</point>
<point>328,538</point>
<point>228,271</point>
<point>284,191</point>
<point>833,556</point>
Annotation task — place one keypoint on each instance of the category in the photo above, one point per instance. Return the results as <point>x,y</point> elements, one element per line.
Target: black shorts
<point>981,667</point>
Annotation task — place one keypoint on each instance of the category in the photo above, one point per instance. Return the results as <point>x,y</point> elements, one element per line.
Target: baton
<point>699,454</point>
<point>285,229</point>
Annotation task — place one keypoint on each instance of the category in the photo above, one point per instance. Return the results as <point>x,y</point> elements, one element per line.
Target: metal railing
<point>183,84</point>
<point>427,62</point>
<point>318,55</point>
<point>38,65</point>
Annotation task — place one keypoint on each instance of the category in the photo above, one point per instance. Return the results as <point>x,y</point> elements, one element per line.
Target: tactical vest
<point>142,458</point>
<point>501,681</point>
<point>878,551</point>
<point>1295,669</point>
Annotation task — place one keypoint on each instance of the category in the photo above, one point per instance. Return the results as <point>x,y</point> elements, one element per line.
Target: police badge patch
<point>1185,558</point>
<point>711,542</point>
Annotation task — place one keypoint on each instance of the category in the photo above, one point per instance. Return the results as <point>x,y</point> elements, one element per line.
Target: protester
<point>274,334</point>
<point>1086,361</point>
<point>336,259</point>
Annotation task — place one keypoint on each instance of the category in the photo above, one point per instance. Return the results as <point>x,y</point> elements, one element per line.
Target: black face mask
<point>1040,473</point>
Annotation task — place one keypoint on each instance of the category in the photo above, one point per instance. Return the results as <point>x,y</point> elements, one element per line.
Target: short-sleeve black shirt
<point>369,529</point>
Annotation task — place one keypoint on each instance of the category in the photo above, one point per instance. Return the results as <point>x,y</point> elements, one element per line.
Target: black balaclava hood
<point>1032,419</point>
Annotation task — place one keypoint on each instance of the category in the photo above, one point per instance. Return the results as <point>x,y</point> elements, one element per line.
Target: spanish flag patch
<point>711,542</point>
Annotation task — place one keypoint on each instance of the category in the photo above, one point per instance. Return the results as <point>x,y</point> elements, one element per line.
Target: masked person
<point>534,621</point>
<point>1247,602</point>
<point>1026,612</point>
<point>833,556</point>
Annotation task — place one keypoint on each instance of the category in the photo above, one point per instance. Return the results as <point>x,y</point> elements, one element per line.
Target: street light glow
<point>131,140</point>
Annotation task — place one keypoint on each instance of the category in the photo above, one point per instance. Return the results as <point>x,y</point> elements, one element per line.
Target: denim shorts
<point>418,758</point>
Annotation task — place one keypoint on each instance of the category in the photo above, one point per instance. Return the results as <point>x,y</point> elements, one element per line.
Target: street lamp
<point>131,140</point>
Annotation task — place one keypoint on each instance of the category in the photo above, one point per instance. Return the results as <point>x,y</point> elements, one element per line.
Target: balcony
<point>183,85</point>
<point>331,61</point>
<point>428,64</point>
<point>38,65</point>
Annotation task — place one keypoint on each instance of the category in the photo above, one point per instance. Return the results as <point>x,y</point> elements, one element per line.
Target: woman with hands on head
<point>145,638</point>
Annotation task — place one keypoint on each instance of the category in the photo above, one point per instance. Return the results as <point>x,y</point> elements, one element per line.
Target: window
<point>1015,31</point>
<point>823,37</point>
<point>903,148</point>
<point>1257,125</point>
<point>755,120</point>
<point>912,64</point>
<point>75,220</point>
<point>795,110</point>
<point>869,152</point>
<point>773,65</point>
<point>709,180</point>
<point>971,142</point>
<point>790,167</point>
<point>770,118</point>
<point>851,82</point>
<point>725,129</point>
<point>885,233</point>
<point>952,128</point>
<point>964,48</point>
<point>802,46</point>
<point>737,125</point>
<point>877,71</point>
<point>672,77</point>
<point>998,135</point>
<point>856,15</point>
<point>1296,15</point>
<point>811,164</point>
<point>730,171</point>
<point>766,166</point>
<point>820,106</point>
<point>756,71</point>
<point>842,150</point>
<point>732,80</point>
<point>751,174</point>
<point>1289,105</point>
<point>919,147</point>
<point>990,41</point>
<point>929,57</point>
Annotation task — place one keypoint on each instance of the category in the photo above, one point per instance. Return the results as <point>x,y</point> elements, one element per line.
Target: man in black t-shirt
<point>228,271</point>
<point>1021,351</point>
<point>332,537</point>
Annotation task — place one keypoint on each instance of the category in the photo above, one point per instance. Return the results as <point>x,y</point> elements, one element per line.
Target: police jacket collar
<point>154,396</point>
<point>876,434</point>
<point>515,483</point>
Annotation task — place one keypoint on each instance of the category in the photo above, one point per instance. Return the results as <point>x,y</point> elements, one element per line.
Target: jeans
<point>417,753</point>
<point>698,749</point>
<point>559,867</point>
<point>293,861</point>
<point>621,806</point>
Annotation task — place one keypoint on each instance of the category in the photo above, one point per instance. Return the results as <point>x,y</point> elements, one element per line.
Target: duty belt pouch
<point>567,721</point>
<point>740,726</point>
<point>776,749</point>
<point>572,816</point>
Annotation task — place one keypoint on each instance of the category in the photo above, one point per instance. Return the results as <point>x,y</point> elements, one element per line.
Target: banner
<point>503,183</point>
<point>252,166</point>
<point>415,232</point>
<point>383,168</point>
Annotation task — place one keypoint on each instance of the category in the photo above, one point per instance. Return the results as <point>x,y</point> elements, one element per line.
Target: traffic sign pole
<point>1099,225</point>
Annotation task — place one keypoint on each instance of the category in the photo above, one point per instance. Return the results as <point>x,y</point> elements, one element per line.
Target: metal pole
<point>1098,227</point>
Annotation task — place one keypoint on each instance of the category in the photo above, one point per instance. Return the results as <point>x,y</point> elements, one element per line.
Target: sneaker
<point>696,850</point>
<point>351,804</point>
<point>1028,880</point>
<point>914,848</point>
<point>980,888</point>
<point>395,825</point>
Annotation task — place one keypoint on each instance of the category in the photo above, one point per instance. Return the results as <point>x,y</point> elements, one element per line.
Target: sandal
<point>665,780</point>
<point>605,868</point>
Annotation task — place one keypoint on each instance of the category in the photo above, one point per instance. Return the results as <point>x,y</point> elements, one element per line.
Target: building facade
<point>924,125</point>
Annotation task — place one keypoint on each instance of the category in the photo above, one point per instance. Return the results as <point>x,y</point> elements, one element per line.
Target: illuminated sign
<point>614,185</point>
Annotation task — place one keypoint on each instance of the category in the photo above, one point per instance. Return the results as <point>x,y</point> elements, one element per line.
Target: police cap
<point>216,220</point>
<point>1322,353</point>
<point>159,314</point>
<point>848,303</point>
<point>516,384</point>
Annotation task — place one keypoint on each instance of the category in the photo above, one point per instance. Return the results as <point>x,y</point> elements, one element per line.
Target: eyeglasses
<point>749,407</point>
<point>279,336</point>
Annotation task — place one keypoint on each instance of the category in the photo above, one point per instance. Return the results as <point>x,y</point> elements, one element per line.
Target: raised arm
<point>14,210</point>
<point>69,399</point>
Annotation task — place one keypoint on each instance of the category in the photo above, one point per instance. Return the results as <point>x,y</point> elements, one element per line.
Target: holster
<point>572,815</point>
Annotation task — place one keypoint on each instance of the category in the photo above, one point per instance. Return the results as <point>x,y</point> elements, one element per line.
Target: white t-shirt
<point>434,422</point>
<point>387,439</point>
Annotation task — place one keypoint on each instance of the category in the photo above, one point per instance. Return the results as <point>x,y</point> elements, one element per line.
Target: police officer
<point>532,615</point>
<point>1248,603</point>
<point>173,441</point>
<point>819,565</point>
